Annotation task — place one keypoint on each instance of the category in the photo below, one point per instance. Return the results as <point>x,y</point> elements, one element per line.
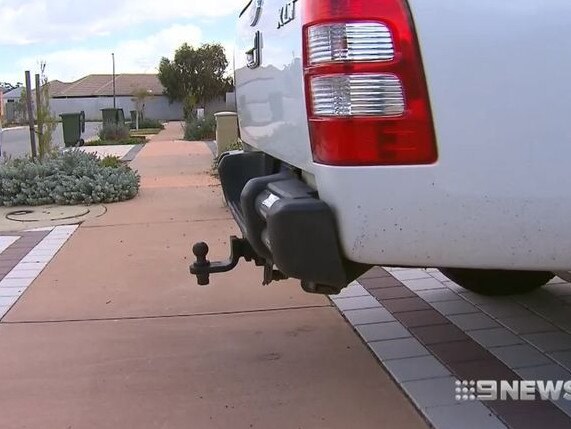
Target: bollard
<point>226,131</point>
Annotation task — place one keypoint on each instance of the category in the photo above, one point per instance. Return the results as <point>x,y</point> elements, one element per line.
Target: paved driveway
<point>431,334</point>
<point>16,142</point>
<point>114,332</point>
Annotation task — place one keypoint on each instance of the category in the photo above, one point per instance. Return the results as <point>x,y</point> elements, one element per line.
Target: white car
<point>403,133</point>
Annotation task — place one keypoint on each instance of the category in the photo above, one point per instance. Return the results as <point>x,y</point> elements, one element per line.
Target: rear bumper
<point>285,222</point>
<point>448,215</point>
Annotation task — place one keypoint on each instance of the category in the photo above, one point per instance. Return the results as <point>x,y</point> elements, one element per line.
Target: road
<point>16,142</point>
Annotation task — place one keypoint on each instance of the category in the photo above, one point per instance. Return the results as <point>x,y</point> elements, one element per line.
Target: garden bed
<point>68,178</point>
<point>200,129</point>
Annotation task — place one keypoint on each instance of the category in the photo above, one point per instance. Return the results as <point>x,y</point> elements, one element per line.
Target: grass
<point>128,141</point>
<point>145,132</point>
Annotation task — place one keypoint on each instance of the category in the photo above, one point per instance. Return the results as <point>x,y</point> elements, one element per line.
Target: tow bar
<point>239,248</point>
<point>286,228</point>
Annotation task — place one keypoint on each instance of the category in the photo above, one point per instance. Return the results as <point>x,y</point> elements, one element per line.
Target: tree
<point>44,114</point>
<point>195,76</point>
<point>7,86</point>
<point>20,108</point>
<point>140,96</point>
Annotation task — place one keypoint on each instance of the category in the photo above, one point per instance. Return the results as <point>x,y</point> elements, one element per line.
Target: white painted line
<point>41,256</point>
<point>53,238</point>
<point>8,301</point>
<point>7,241</point>
<point>3,311</point>
<point>71,228</point>
<point>15,283</point>
<point>32,265</point>
<point>23,274</point>
<point>49,248</point>
<point>60,237</point>
<point>37,259</point>
<point>44,229</point>
<point>38,250</point>
<point>29,268</point>
<point>11,291</point>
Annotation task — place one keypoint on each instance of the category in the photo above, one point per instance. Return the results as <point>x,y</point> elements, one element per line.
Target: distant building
<point>95,92</point>
<point>8,103</point>
<point>13,95</point>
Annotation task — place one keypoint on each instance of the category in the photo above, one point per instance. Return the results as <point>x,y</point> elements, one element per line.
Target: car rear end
<point>429,134</point>
<point>498,196</point>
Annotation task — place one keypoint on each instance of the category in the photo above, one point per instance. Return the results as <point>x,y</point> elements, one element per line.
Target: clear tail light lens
<point>361,41</point>
<point>357,95</point>
<point>366,91</point>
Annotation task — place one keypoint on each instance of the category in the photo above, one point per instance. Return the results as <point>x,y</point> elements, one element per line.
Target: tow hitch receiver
<point>286,228</point>
<point>239,248</point>
<point>202,267</point>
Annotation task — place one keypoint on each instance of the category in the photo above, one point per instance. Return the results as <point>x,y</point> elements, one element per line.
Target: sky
<point>76,38</point>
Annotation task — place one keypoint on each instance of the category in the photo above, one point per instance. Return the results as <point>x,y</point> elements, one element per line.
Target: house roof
<point>56,86</point>
<point>14,93</point>
<point>101,85</point>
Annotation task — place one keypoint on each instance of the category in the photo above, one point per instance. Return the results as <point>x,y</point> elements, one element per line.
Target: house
<point>8,103</point>
<point>13,95</point>
<point>95,92</point>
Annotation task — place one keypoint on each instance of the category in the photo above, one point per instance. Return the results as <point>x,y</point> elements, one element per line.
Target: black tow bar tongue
<point>202,267</point>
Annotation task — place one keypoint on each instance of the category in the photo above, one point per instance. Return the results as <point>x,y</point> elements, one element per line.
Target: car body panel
<point>271,97</point>
<point>499,195</point>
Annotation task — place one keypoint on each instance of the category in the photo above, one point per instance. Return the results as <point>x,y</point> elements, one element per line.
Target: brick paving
<point>429,333</point>
<point>24,257</point>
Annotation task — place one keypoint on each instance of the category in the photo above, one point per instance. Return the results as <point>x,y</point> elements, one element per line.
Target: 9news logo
<point>519,390</point>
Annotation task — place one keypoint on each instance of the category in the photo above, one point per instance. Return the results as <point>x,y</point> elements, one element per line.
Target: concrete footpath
<point>115,333</point>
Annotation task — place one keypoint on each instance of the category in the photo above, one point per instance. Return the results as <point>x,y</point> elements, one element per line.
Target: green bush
<point>238,145</point>
<point>148,123</point>
<point>111,131</point>
<point>200,129</point>
<point>68,178</point>
<point>111,161</point>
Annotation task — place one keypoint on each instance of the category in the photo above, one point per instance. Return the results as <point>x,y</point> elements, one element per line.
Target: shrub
<point>111,131</point>
<point>145,132</point>
<point>148,124</point>
<point>111,161</point>
<point>238,145</point>
<point>71,177</point>
<point>128,141</point>
<point>200,129</point>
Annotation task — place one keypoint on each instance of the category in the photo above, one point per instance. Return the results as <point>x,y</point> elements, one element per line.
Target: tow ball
<point>239,248</point>
<point>202,267</point>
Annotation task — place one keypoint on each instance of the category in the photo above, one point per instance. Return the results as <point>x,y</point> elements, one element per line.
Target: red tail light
<point>366,92</point>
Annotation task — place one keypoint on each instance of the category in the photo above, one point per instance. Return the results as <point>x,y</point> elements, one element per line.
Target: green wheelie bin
<point>73,126</point>
<point>113,116</point>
